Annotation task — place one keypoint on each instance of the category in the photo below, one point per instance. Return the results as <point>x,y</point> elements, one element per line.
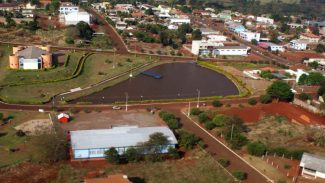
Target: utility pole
<point>126,101</point>
<point>232,131</point>
<point>198,98</point>
<point>53,104</point>
<point>189,109</point>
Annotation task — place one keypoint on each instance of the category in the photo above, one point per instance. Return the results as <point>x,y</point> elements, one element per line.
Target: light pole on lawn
<point>126,101</point>
<point>189,109</point>
<point>198,98</point>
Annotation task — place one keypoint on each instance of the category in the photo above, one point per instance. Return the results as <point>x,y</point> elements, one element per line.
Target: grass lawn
<point>97,67</point>
<point>244,65</point>
<point>9,139</point>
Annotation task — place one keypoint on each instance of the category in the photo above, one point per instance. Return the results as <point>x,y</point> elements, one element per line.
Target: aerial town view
<point>165,91</point>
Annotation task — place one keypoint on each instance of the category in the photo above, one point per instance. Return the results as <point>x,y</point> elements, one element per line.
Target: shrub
<point>286,166</point>
<point>239,175</point>
<point>256,148</point>
<point>131,154</point>
<point>304,96</point>
<point>173,153</point>
<point>224,162</point>
<point>219,120</point>
<point>203,117</point>
<point>265,99</point>
<point>20,133</point>
<point>217,103</point>
<point>170,120</point>
<point>69,40</point>
<point>280,90</point>
<point>252,101</point>
<point>187,140</point>
<point>195,111</point>
<point>209,125</point>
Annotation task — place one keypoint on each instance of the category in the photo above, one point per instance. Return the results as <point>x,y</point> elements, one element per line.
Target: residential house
<point>75,17</point>
<point>271,46</point>
<point>231,50</point>
<point>298,44</point>
<point>66,8</point>
<point>87,144</point>
<point>121,25</point>
<point>180,20</point>
<point>249,36</point>
<point>118,178</point>
<point>295,25</point>
<point>207,31</point>
<point>312,166</point>
<point>312,38</point>
<point>265,20</point>
<point>320,61</point>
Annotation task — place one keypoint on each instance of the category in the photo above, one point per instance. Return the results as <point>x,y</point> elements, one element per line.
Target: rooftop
<point>312,161</point>
<point>31,52</point>
<point>309,35</point>
<point>119,178</point>
<point>116,137</point>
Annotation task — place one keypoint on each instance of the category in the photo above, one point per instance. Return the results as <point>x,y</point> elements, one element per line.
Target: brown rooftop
<point>118,178</point>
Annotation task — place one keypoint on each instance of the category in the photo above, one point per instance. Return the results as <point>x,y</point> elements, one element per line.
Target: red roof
<point>118,178</point>
<point>310,35</point>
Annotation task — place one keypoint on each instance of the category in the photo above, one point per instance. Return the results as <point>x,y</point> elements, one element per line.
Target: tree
<point>313,78</point>
<point>219,120</point>
<point>149,12</point>
<point>112,156</point>
<point>239,175</point>
<point>254,42</point>
<point>157,138</point>
<point>313,65</point>
<point>54,6</point>
<point>196,34</point>
<point>203,117</point>
<point>319,138</point>
<point>173,152</point>
<point>265,99</point>
<point>256,148</point>
<point>320,48</point>
<point>131,154</point>
<point>281,90</point>
<point>209,125</point>
<point>84,29</point>
<point>187,140</point>
<point>34,2</point>
<point>195,111</point>
<point>304,96</point>
<point>252,101</point>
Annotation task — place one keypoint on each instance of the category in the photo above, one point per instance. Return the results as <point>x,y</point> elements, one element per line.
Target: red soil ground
<point>299,55</point>
<point>252,114</point>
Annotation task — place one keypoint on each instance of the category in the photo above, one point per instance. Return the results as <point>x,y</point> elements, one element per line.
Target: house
<point>320,61</point>
<point>63,118</point>
<point>265,20</point>
<point>10,6</point>
<point>217,38</point>
<point>298,44</point>
<point>75,17</point>
<point>67,8</point>
<point>180,20</point>
<point>203,47</point>
<point>312,38</point>
<point>295,25</point>
<point>118,178</point>
<point>312,166</point>
<point>206,31</point>
<point>237,28</point>
<point>271,46</point>
<point>121,25</point>
<point>100,6</point>
<point>230,50</point>
<point>249,36</point>
<point>297,73</point>
<point>223,16</point>
<point>30,57</point>
<point>163,9</point>
<point>94,143</point>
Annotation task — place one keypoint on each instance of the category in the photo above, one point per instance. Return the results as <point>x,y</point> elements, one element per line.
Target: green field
<point>40,86</point>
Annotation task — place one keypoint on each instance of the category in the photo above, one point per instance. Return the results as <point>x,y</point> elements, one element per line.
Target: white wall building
<point>67,8</point>
<point>275,47</point>
<point>75,17</point>
<point>298,44</point>
<point>249,36</point>
<point>310,37</point>
<point>217,38</point>
<point>231,51</point>
<point>200,47</point>
<point>163,9</point>
<point>121,25</point>
<point>265,20</point>
<point>312,166</point>
<point>93,143</point>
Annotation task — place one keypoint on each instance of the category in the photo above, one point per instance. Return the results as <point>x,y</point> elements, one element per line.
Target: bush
<point>20,133</point>
<point>170,120</point>
<point>219,120</point>
<point>131,154</point>
<point>280,90</point>
<point>187,140</point>
<point>265,99</point>
<point>239,175</point>
<point>224,162</point>
<point>304,96</point>
<point>173,153</point>
<point>252,101</point>
<point>217,103</point>
<point>209,125</point>
<point>203,117</point>
<point>195,111</point>
<point>256,148</point>
<point>69,40</point>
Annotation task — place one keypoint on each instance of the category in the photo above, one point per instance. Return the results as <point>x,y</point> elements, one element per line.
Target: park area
<point>72,70</point>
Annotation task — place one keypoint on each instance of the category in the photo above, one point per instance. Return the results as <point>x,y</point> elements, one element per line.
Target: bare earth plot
<point>109,119</point>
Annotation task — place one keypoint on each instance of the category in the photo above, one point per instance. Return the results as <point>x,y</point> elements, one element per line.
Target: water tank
<point>13,62</point>
<point>47,60</point>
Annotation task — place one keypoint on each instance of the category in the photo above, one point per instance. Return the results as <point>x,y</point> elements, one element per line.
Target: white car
<point>115,107</point>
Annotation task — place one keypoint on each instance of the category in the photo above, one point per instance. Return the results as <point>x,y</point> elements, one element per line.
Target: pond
<point>179,80</point>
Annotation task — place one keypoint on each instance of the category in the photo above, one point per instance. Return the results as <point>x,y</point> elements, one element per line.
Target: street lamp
<point>126,101</point>
<point>189,109</point>
<point>198,98</point>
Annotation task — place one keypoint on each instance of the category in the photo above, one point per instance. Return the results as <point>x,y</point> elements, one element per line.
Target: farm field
<point>96,68</point>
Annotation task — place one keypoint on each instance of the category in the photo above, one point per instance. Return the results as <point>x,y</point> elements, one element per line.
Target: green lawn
<point>9,139</point>
<point>244,65</point>
<point>97,67</point>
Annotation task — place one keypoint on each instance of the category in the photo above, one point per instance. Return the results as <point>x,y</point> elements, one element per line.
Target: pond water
<point>179,80</point>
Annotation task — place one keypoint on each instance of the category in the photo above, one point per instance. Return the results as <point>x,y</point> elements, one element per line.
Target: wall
<point>305,105</point>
